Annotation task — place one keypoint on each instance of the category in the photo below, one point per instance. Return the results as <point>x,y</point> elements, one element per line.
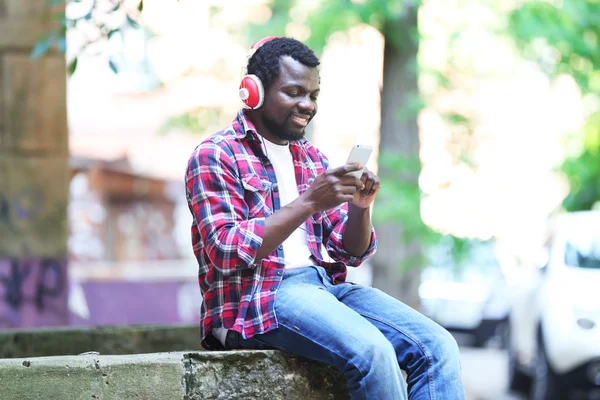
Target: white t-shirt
<point>295,248</point>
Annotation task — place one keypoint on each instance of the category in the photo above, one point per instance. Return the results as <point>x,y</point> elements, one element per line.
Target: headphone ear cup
<point>252,92</point>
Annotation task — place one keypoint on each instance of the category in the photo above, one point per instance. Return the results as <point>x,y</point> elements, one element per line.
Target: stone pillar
<point>34,170</point>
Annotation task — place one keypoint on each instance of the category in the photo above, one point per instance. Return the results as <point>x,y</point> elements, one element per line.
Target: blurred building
<point>129,263</point>
<point>118,215</point>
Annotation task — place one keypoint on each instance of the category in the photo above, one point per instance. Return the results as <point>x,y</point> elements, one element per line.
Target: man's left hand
<point>364,198</point>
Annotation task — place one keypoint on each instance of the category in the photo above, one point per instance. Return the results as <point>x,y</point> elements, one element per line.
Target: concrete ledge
<point>178,375</point>
<point>104,340</point>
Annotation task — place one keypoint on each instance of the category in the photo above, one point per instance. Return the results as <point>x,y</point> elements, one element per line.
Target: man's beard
<point>279,130</point>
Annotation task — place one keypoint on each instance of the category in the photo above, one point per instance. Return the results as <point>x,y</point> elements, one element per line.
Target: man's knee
<point>443,346</point>
<point>377,352</point>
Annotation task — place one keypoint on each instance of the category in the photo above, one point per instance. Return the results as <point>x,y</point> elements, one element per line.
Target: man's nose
<point>307,104</point>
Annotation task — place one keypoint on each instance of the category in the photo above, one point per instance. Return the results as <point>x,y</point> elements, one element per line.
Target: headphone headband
<point>257,45</point>
<point>251,90</point>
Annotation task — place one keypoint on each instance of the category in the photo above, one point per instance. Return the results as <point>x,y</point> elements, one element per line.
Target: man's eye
<point>293,94</point>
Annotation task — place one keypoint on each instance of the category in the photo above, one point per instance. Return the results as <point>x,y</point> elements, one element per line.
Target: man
<point>266,208</point>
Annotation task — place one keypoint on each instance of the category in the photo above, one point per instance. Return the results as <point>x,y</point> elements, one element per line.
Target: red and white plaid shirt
<point>231,189</point>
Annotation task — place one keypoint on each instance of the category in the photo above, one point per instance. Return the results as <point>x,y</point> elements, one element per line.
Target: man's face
<point>291,100</point>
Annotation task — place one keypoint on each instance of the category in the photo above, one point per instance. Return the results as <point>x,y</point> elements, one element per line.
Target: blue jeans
<point>366,334</point>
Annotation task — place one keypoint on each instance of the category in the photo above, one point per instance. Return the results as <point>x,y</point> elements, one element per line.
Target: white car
<point>554,339</point>
<point>472,298</point>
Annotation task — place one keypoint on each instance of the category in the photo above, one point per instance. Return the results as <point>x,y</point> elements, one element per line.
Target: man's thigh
<point>407,329</point>
<point>315,324</point>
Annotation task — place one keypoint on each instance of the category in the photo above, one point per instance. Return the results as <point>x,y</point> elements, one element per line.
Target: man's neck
<point>262,130</point>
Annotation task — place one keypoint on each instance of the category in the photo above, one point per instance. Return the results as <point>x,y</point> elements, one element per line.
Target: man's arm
<point>327,191</point>
<point>357,234</point>
<point>347,231</point>
<point>232,240</point>
<point>281,224</point>
<point>215,195</point>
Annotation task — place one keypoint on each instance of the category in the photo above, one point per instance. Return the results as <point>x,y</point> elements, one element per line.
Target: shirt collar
<point>242,125</point>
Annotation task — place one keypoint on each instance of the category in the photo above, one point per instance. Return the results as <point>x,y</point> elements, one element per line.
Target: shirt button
<point>275,187</point>
<point>274,288</point>
<point>279,273</point>
<point>280,247</point>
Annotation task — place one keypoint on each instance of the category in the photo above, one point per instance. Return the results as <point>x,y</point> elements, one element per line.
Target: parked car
<point>554,346</point>
<point>471,297</point>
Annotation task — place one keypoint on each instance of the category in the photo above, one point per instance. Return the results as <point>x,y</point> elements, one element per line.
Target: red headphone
<point>252,92</point>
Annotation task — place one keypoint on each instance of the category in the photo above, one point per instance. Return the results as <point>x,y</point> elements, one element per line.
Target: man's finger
<point>375,188</point>
<point>368,186</point>
<point>349,180</point>
<point>344,169</point>
<point>349,189</point>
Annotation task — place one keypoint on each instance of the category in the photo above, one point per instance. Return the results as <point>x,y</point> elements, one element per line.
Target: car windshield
<point>583,250</point>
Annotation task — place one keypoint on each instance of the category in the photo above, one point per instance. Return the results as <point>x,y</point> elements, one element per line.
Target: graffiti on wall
<point>24,205</point>
<point>33,292</point>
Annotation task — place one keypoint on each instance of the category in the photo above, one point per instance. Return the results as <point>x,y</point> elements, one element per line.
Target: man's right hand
<point>333,187</point>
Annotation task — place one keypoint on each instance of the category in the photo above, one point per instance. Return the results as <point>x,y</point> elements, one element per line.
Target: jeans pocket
<point>325,280</point>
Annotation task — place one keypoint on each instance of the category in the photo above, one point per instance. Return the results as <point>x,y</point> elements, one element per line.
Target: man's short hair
<point>265,62</point>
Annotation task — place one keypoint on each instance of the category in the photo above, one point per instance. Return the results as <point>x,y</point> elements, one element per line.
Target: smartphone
<point>360,153</point>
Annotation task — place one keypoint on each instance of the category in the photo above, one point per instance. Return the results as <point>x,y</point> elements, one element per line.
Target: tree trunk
<point>392,270</point>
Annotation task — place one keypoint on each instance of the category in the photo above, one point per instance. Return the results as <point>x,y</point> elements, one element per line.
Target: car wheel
<point>503,334</point>
<point>479,339</point>
<point>544,385</point>
<point>517,379</point>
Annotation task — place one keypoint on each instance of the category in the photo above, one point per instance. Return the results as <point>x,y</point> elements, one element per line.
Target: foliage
<point>333,16</point>
<point>583,170</point>
<point>564,40</point>
<point>93,19</point>
<point>196,120</point>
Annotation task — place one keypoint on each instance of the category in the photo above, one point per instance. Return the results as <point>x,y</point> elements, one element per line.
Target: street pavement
<point>485,374</point>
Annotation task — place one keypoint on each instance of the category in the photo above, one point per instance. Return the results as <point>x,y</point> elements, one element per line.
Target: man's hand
<point>365,197</point>
<point>333,187</point>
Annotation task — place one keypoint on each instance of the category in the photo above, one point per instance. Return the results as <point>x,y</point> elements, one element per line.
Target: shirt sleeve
<point>215,196</point>
<point>334,223</point>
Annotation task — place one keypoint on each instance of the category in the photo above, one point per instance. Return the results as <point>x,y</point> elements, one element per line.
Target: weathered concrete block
<point>34,104</point>
<point>144,376</point>
<point>188,376</point>
<point>31,8</point>
<point>23,22</point>
<point>260,375</point>
<point>33,206</point>
<point>113,340</point>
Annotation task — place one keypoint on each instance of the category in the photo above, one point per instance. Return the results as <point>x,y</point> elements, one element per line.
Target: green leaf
<point>73,66</point>
<point>132,22</point>
<point>113,66</point>
<point>42,47</point>
<point>141,6</point>
<point>112,32</point>
<point>61,45</point>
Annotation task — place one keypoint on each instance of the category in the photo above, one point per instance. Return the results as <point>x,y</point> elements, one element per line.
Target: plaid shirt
<point>231,189</point>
